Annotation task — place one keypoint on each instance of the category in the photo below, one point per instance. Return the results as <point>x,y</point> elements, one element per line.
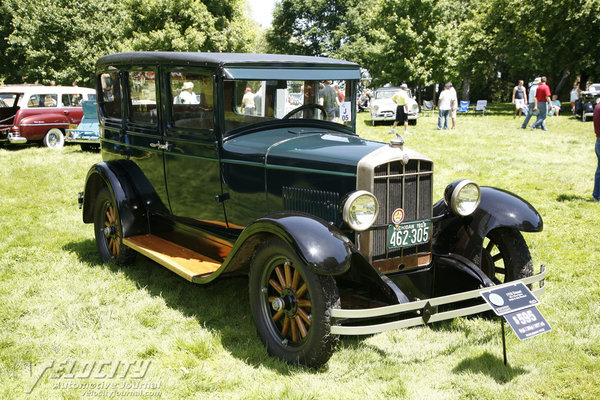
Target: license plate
<point>409,234</point>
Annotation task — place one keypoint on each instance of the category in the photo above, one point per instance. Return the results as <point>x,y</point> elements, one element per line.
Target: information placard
<point>507,299</point>
<point>527,323</point>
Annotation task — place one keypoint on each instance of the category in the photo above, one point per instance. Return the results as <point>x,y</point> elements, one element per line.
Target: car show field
<point>62,309</point>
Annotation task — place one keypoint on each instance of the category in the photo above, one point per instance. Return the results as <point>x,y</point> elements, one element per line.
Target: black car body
<point>249,173</point>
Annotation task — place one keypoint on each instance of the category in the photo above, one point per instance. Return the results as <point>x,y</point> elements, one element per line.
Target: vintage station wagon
<point>224,164</point>
<point>35,113</point>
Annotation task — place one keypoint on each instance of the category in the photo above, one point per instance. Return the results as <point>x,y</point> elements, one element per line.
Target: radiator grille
<point>409,187</point>
<point>321,203</point>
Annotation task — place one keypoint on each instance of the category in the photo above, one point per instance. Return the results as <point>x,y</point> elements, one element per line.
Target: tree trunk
<point>562,81</point>
<point>466,87</point>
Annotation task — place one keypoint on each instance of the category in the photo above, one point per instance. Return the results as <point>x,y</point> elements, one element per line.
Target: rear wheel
<point>290,305</point>
<point>54,139</point>
<point>506,256</point>
<point>108,230</point>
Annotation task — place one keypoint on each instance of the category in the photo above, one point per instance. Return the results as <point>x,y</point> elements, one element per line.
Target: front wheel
<point>506,256</point>
<point>108,230</point>
<point>290,305</point>
<point>54,139</point>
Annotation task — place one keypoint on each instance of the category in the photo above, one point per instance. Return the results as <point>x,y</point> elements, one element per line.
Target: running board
<point>184,262</point>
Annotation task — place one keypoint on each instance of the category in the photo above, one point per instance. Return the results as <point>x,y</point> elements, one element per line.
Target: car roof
<point>46,89</point>
<point>220,59</point>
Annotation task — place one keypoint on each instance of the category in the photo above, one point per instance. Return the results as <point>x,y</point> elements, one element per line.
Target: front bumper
<point>80,136</point>
<point>390,116</point>
<point>349,321</point>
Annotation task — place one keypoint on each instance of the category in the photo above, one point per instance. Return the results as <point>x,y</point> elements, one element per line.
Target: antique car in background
<point>383,107</point>
<point>87,133</point>
<point>339,235</point>
<point>31,113</point>
<point>584,106</point>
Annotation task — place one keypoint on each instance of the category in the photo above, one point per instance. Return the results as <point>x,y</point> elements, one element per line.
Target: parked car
<point>87,133</point>
<point>30,113</point>
<point>339,235</point>
<point>584,106</point>
<point>383,107</point>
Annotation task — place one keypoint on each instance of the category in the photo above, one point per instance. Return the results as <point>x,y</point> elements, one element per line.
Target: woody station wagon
<point>225,164</point>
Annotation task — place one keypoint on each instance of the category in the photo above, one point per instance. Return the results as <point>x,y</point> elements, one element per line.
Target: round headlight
<point>360,210</point>
<point>463,197</point>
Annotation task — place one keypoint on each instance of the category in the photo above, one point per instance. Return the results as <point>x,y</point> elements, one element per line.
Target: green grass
<point>59,303</point>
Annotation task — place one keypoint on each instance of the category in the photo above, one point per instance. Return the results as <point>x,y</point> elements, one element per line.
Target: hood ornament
<point>398,141</point>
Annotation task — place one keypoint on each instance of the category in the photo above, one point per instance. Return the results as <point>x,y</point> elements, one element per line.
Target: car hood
<point>315,149</point>
<point>379,105</point>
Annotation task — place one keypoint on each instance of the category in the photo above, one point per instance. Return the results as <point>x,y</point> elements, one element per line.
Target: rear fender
<point>130,189</point>
<point>498,209</point>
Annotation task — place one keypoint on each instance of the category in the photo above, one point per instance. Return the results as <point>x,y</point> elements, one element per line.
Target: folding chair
<point>481,106</point>
<point>464,106</point>
<point>428,106</point>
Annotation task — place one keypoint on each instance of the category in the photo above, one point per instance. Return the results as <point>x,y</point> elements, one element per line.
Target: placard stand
<point>503,341</point>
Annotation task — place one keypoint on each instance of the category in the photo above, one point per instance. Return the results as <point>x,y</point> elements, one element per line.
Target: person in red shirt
<point>596,192</point>
<point>542,102</point>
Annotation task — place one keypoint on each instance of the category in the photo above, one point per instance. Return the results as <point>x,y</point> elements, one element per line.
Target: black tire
<point>506,256</point>
<point>54,139</point>
<point>108,232</point>
<point>300,332</point>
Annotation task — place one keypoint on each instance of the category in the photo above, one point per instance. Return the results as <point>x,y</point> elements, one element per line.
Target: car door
<point>143,141</point>
<point>191,152</point>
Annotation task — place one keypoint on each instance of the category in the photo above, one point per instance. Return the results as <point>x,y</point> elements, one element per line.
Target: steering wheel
<point>306,107</point>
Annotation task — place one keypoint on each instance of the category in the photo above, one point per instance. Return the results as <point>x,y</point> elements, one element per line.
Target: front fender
<point>324,248</point>
<point>498,209</point>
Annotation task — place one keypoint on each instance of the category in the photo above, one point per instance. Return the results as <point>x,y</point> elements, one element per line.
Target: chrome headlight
<point>463,197</point>
<point>375,108</point>
<point>360,210</point>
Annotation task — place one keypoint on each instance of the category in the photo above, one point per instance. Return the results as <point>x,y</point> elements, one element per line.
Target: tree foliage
<point>60,40</point>
<point>488,44</point>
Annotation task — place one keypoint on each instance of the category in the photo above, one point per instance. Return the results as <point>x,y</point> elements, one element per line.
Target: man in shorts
<point>401,109</point>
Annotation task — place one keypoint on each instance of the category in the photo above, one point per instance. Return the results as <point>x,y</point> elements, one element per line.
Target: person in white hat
<point>531,101</point>
<point>187,95</point>
<point>401,108</point>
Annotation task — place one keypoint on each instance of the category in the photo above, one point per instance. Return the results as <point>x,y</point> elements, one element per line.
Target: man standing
<point>401,109</point>
<point>596,192</point>
<point>518,98</point>
<point>454,101</point>
<point>328,99</point>
<point>532,91</point>
<point>444,106</point>
<point>543,104</point>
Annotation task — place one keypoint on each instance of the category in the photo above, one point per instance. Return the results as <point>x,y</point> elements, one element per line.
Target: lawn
<point>63,313</point>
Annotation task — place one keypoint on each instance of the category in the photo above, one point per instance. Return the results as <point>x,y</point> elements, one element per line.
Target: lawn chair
<point>464,107</point>
<point>481,106</point>
<point>428,106</point>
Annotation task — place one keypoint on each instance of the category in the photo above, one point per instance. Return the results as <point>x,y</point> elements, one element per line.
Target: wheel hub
<point>287,302</point>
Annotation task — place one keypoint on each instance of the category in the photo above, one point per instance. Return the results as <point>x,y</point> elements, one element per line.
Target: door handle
<point>66,112</point>
<point>160,146</point>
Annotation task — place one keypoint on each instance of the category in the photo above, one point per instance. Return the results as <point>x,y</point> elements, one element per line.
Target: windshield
<point>388,94</point>
<point>249,102</point>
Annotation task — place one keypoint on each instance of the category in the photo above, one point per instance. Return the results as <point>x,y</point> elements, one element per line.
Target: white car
<point>383,107</point>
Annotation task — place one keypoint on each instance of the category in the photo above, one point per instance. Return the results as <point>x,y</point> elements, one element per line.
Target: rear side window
<point>111,95</point>
<point>42,100</point>
<point>142,89</point>
<point>71,100</point>
<point>192,100</point>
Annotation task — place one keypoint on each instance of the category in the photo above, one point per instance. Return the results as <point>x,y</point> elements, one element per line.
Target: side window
<point>192,105</point>
<point>71,100</point>
<point>42,100</point>
<point>110,105</point>
<point>142,89</point>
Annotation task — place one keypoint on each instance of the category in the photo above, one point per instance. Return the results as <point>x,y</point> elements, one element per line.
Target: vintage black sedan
<point>223,164</point>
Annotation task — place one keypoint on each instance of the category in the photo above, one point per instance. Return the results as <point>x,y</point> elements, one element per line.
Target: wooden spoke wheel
<point>108,231</point>
<point>506,256</point>
<point>290,305</point>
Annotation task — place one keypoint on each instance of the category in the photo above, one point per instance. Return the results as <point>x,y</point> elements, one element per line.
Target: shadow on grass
<point>573,197</point>
<point>221,306</point>
<point>490,365</point>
